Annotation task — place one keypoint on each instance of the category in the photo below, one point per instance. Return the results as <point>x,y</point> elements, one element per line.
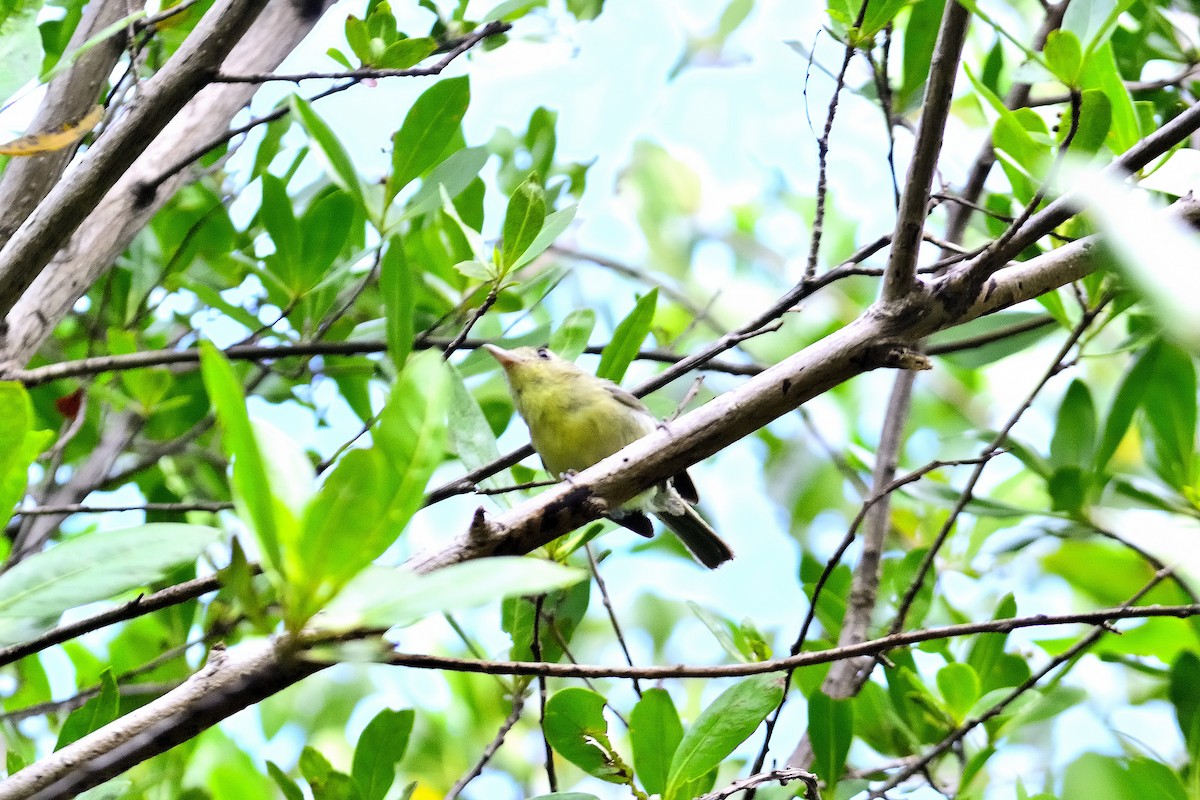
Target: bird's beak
<point>506,357</point>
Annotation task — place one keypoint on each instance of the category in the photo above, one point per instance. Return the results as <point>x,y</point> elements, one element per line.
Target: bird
<point>576,419</point>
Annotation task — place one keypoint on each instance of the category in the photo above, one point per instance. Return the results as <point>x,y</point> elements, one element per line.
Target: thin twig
<point>781,776</point>
<point>489,751</point>
<point>807,659</point>
<point>612,614</point>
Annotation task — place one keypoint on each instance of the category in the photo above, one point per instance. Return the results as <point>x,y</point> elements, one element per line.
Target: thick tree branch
<point>229,682</point>
<point>901,272</point>
<point>159,99</point>
<point>110,224</point>
<point>68,98</point>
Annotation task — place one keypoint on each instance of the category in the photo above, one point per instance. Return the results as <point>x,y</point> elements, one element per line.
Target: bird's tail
<point>696,534</point>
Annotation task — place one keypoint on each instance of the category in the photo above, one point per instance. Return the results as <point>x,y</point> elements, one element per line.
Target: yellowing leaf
<point>36,143</point>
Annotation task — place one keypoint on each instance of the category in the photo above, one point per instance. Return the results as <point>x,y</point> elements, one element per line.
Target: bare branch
<point>68,97</point>
<point>159,99</point>
<point>872,647</point>
<point>900,275</point>
<point>110,223</point>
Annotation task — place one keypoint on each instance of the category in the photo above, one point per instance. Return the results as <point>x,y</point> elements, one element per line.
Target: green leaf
<point>471,436</point>
<point>1185,677</point>
<point>1064,55</point>
<point>985,651</point>
<point>426,131</point>
<point>960,688</point>
<point>411,436</point>
<point>453,175</point>
<point>16,419</point>
<point>325,230</point>
<point>275,211</point>
<point>406,53</point>
<point>1100,72</point>
<point>344,173</point>
<point>1074,440</point>
<point>1126,401</point>
<point>396,284</point>
<point>628,338</point>
<point>1093,21</point>
<point>522,221</point>
<point>1170,412</point>
<point>325,558</point>
<point>570,338</point>
<point>562,611</point>
<point>920,34</point>
<point>384,596</point>
<point>721,727</point>
<point>286,785</point>
<point>19,445</point>
<point>830,729</point>
<point>379,750</point>
<point>1095,121</point>
<point>575,727</point>
<point>93,715</point>
<point>80,570</point>
<point>252,491</point>
<point>552,228</point>
<point>655,732</point>
<point>20,47</point>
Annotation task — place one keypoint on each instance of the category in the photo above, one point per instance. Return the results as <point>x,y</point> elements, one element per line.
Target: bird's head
<point>524,365</point>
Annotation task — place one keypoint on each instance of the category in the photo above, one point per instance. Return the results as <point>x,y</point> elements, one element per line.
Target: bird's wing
<point>625,398</point>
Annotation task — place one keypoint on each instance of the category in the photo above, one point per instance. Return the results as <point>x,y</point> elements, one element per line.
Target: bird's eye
<point>543,353</point>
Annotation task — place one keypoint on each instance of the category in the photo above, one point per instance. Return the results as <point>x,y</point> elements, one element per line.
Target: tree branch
<point>871,647</point>
<point>901,272</point>
<point>26,181</point>
<point>110,223</point>
<point>159,99</point>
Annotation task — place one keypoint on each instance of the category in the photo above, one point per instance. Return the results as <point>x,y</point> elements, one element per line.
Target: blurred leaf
<point>93,715</point>
<point>960,688</point>
<point>570,338</point>
<point>919,36</point>
<point>1155,250</point>
<point>454,175</point>
<point>389,596</point>
<point>20,46</point>
<point>628,338</point>
<point>344,173</point>
<point>379,750</point>
<point>655,732</point>
<point>80,570</point>
<point>252,491</point>
<point>287,786</point>
<point>1074,440</point>
<point>1126,401</point>
<point>1092,22</point>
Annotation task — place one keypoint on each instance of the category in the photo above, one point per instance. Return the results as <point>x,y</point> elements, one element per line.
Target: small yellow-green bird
<point>576,419</point>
